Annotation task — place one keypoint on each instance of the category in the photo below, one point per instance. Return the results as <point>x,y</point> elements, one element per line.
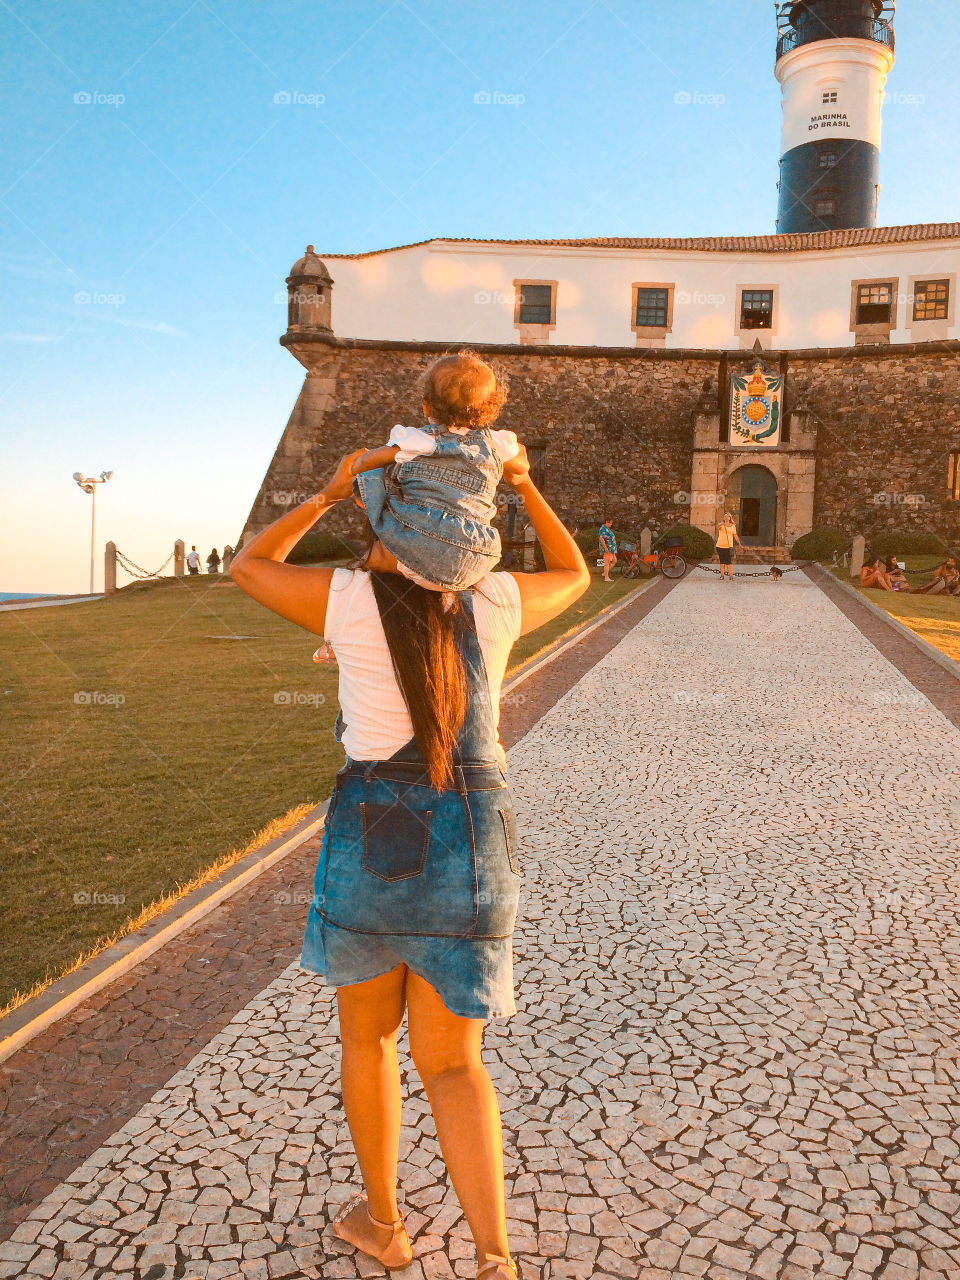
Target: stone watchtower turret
<point>833,58</point>
<point>309,295</point>
<point>296,471</point>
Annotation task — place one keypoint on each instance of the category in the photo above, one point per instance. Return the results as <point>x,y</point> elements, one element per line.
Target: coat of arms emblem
<point>756,407</point>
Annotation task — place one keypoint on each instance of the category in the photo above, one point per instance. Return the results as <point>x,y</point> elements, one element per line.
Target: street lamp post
<point>89,485</point>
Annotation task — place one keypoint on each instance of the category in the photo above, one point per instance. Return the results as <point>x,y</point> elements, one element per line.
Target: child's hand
<point>518,468</point>
<point>340,485</point>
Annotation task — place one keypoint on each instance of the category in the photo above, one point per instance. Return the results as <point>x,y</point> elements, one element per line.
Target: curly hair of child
<point>462,390</point>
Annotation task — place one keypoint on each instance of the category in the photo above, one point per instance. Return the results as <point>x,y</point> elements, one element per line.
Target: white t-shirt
<point>193,559</point>
<point>374,712</point>
<point>414,442</point>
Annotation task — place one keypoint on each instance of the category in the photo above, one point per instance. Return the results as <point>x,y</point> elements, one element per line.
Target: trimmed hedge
<point>314,546</point>
<point>820,544</point>
<point>909,544</point>
<point>697,545</point>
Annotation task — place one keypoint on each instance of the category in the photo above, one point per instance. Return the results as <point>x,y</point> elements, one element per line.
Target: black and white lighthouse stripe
<point>833,60</point>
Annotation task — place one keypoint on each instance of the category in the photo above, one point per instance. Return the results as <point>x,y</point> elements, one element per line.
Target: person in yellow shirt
<point>726,537</point>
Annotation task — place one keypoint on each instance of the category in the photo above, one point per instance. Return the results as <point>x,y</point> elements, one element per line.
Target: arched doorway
<point>756,489</point>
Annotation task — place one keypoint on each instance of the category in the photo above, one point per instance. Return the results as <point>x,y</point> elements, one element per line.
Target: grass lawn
<point>142,752</point>
<point>934,618</point>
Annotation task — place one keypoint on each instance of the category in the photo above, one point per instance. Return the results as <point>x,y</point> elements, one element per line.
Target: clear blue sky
<point>181,208</point>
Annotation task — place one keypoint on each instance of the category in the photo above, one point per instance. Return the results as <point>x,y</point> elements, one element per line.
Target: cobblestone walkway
<point>737,1046</point>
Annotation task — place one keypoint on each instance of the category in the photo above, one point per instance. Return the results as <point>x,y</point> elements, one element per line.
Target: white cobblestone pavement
<point>737,1046</point>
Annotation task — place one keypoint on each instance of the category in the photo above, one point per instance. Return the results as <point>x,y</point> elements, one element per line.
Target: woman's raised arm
<point>546,594</point>
<point>296,592</point>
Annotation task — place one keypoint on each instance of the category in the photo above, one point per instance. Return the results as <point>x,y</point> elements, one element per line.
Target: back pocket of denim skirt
<point>395,840</point>
<point>509,820</point>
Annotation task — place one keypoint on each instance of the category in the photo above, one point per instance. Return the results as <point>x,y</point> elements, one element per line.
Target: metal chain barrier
<point>136,571</point>
<point>759,573</point>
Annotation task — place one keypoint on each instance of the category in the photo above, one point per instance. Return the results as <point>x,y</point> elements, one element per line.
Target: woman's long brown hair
<point>422,627</point>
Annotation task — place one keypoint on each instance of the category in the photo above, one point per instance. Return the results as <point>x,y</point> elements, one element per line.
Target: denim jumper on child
<point>434,513</point>
<point>430,878</point>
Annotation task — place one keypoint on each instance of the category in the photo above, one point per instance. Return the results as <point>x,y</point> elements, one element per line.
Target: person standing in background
<point>213,561</point>
<point>726,537</point>
<point>193,561</point>
<point>608,547</point>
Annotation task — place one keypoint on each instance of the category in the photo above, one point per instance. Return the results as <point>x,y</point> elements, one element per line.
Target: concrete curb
<point>924,646</point>
<point>45,602</point>
<point>64,995</point>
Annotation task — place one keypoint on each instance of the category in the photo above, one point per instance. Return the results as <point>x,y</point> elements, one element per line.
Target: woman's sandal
<point>396,1253</point>
<point>498,1267</point>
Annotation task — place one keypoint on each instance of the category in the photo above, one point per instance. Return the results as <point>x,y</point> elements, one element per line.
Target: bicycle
<point>668,560</point>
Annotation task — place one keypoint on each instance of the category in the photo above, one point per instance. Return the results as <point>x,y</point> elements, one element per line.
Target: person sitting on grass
<point>871,575</point>
<point>898,579</point>
<point>946,579</point>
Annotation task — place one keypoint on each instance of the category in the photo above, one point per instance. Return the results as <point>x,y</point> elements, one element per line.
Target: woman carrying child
<point>418,879</point>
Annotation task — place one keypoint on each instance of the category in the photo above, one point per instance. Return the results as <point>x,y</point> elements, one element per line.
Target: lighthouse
<point>833,58</point>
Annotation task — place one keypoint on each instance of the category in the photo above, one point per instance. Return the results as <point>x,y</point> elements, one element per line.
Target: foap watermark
<point>897,698</point>
<point>509,500</point>
<point>85,299</point>
<point>294,98</point>
<point>682,498</point>
<point>513,699</point>
<point>887,499</point>
<point>697,298</point>
<point>297,296</point>
<point>95,698</point>
<point>492,297</point>
<point>897,99</point>
<point>895,898</point>
<point>495,897</point>
<point>289,497</point>
<point>297,698</point>
<point>299,898</point>
<point>494,98</point>
<point>694,98</point>
<point>93,98</point>
<point>95,898</point>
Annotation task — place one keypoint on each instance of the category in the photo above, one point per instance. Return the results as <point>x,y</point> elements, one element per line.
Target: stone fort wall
<point>617,426</point>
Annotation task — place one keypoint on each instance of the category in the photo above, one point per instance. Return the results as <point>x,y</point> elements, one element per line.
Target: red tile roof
<point>793,242</point>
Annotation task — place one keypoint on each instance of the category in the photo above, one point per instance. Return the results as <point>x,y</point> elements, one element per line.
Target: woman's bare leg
<point>371,1014</point>
<point>446,1052</point>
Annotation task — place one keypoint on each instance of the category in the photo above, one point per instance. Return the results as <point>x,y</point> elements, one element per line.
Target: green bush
<point>820,544</point>
<point>697,545</point>
<point>314,546</point>
<point>909,544</point>
<point>588,540</point>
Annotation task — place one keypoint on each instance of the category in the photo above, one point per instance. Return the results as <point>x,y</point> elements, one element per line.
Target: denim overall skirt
<point>428,878</point>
